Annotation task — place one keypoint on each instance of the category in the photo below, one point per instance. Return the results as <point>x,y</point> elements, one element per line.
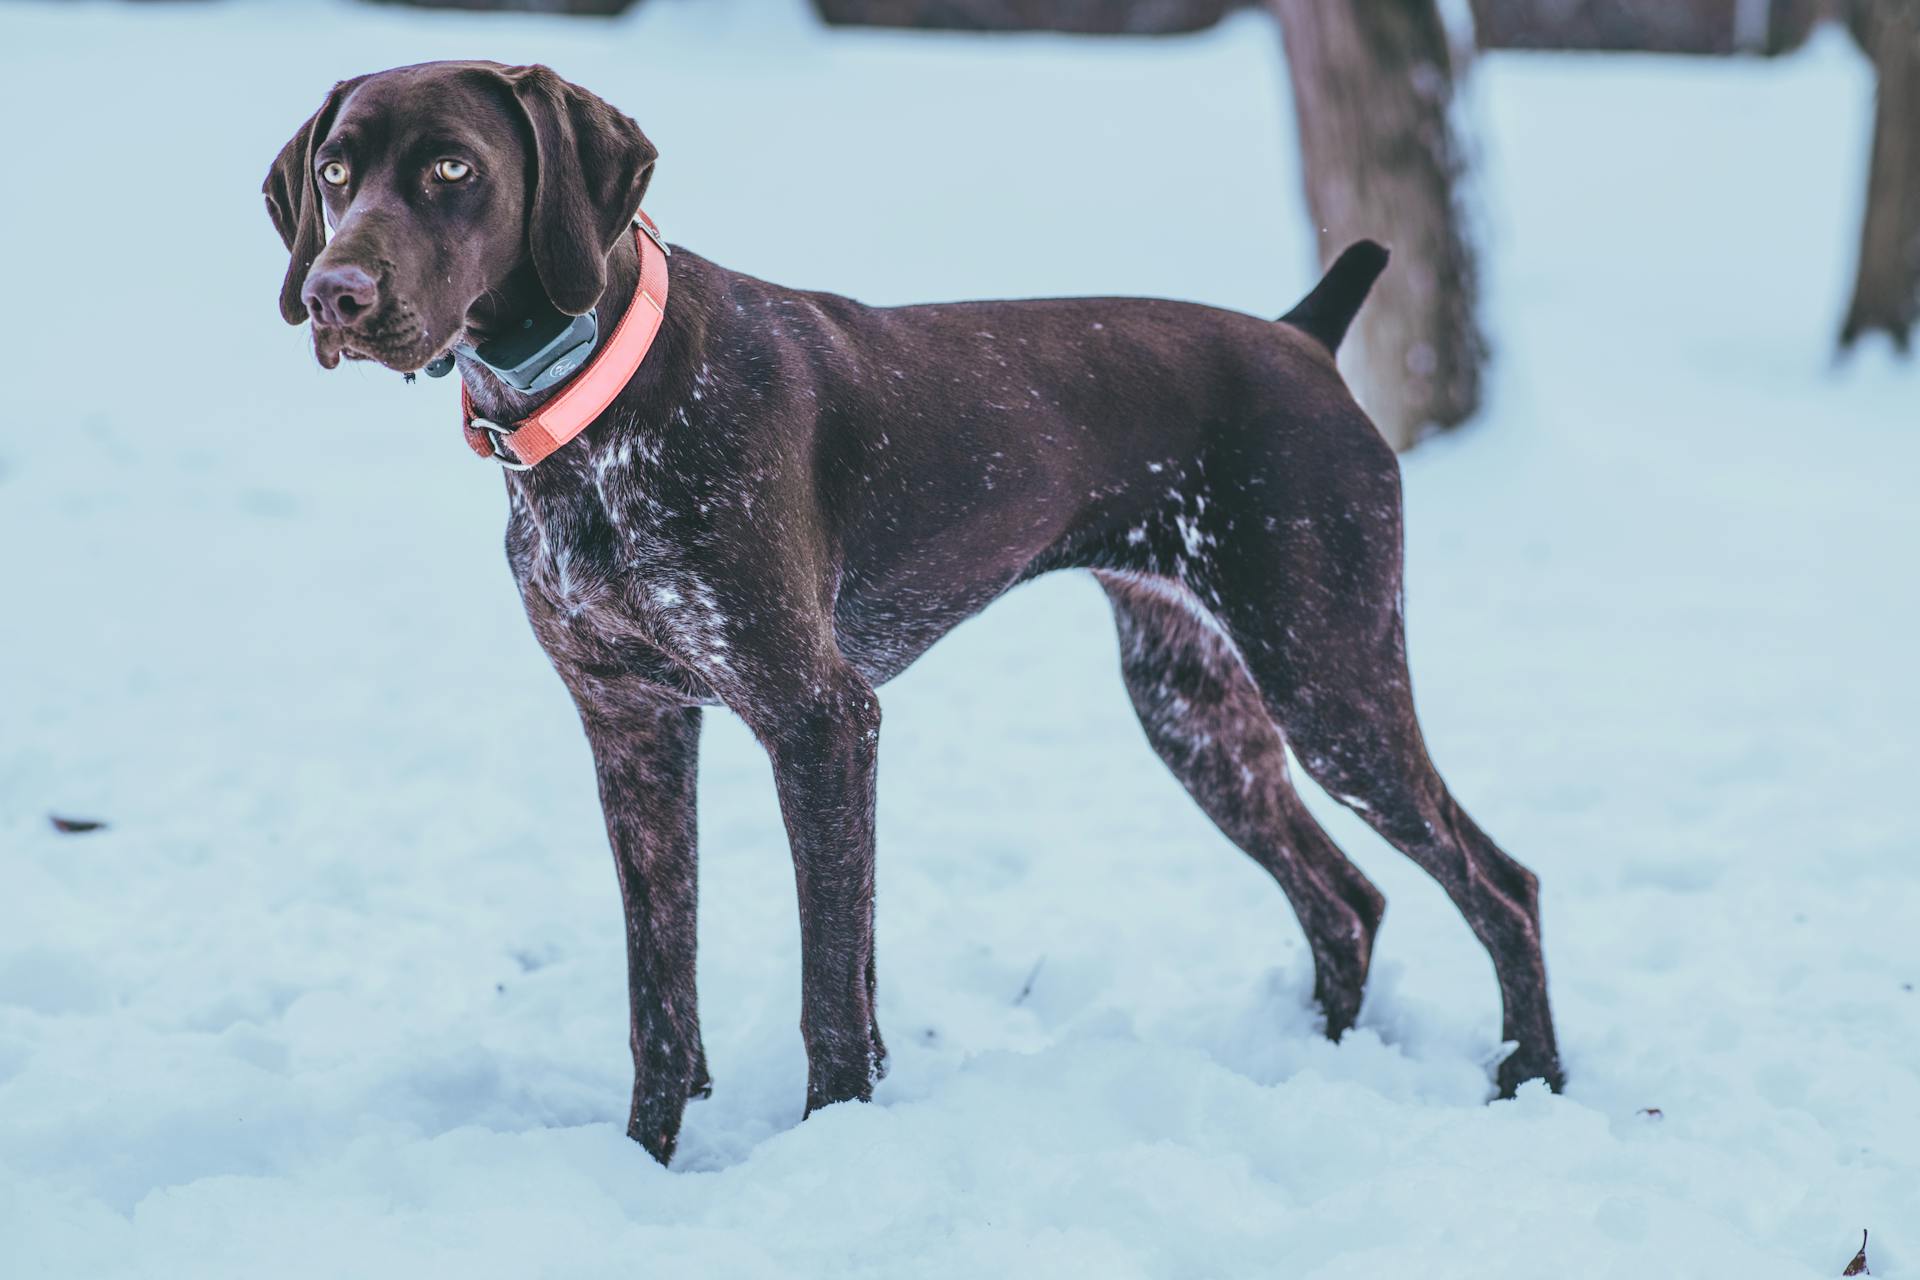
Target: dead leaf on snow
<point>1858,1267</point>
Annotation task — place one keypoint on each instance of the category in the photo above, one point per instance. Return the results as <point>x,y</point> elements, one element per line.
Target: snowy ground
<point>332,997</point>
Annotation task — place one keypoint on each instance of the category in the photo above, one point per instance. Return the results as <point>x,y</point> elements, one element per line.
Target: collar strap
<point>524,444</point>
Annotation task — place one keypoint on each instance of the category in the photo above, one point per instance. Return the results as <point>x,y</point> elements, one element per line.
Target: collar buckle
<point>645,225</point>
<point>497,438</point>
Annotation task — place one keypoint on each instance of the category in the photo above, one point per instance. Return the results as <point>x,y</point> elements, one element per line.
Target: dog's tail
<point>1324,314</point>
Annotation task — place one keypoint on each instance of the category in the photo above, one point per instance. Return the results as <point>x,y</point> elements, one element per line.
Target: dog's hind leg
<point>1314,606</point>
<point>1205,718</point>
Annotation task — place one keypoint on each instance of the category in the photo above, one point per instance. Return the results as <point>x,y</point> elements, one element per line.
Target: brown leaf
<point>74,826</point>
<point>1858,1267</point>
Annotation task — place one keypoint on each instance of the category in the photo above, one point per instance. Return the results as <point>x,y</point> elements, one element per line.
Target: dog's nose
<point>339,295</point>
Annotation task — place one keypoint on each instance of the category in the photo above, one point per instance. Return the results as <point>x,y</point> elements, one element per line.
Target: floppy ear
<point>293,202</point>
<point>591,165</point>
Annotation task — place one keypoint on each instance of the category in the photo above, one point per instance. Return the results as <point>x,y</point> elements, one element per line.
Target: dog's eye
<point>333,173</point>
<point>452,170</point>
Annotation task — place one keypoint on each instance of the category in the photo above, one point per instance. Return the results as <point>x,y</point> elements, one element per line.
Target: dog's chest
<point>607,581</point>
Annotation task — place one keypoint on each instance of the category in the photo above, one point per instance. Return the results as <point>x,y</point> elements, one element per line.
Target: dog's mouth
<point>395,339</point>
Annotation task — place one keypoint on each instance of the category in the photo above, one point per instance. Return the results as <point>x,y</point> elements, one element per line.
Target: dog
<point>793,495</point>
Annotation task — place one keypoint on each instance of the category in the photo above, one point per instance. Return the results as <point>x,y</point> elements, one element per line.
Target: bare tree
<point>1886,288</point>
<point>1373,91</point>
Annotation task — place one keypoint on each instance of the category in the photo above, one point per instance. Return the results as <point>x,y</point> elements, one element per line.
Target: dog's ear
<point>293,201</point>
<point>591,165</point>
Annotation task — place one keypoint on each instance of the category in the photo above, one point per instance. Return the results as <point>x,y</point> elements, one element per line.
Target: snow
<point>340,990</point>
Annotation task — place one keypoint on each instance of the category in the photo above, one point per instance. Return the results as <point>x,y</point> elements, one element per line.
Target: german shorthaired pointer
<point>793,495</point>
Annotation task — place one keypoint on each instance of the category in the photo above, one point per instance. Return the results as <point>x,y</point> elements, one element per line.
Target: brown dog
<point>795,495</point>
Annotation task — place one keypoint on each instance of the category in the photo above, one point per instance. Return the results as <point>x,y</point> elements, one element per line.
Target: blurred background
<point>310,953</point>
<point>1383,153</point>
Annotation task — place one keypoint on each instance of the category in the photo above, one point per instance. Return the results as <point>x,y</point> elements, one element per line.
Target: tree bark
<point>1373,93</point>
<point>1886,289</point>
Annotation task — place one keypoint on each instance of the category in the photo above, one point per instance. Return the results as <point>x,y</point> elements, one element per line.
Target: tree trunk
<point>1886,288</point>
<point>1372,92</point>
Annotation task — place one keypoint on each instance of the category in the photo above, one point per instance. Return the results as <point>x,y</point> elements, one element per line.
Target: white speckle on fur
<point>1190,534</point>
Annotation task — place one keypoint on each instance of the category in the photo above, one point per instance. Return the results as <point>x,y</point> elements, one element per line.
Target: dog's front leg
<point>824,744</point>
<point>646,755</point>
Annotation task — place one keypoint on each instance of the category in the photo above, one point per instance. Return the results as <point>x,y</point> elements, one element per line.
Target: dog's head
<point>454,190</point>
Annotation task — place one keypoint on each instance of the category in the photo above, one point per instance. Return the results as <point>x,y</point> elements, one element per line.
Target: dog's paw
<point>1523,1065</point>
<point>1339,1004</point>
<point>654,1121</point>
<point>846,1082</point>
<point>658,1142</point>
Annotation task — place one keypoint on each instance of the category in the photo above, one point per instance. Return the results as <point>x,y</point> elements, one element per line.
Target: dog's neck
<point>494,399</point>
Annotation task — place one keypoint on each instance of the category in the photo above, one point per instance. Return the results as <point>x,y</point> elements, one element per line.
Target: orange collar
<point>521,445</point>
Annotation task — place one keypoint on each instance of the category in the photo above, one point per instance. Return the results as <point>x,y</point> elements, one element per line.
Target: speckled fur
<point>797,494</point>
